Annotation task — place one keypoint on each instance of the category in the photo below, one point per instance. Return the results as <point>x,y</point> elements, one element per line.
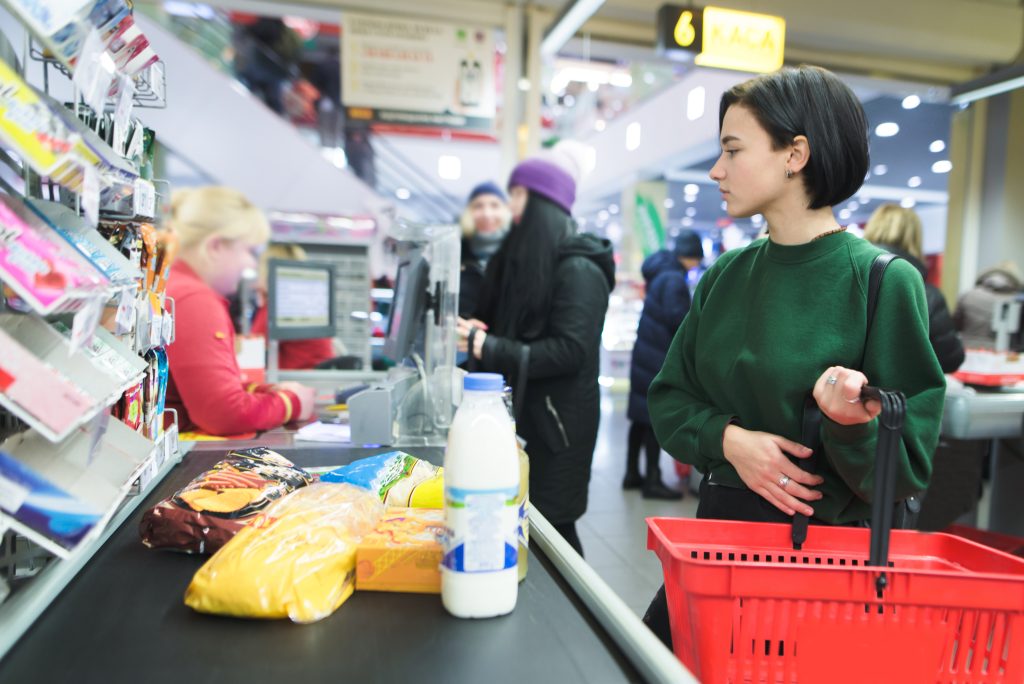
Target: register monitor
<point>405,322</point>
<point>300,296</point>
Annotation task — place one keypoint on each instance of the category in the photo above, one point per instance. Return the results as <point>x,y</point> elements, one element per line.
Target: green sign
<point>647,221</point>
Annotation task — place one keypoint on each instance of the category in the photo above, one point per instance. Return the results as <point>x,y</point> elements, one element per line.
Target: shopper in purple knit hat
<point>538,323</point>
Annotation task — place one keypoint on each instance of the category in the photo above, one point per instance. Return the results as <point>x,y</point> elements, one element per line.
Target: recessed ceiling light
<point>724,205</point>
<point>942,166</point>
<point>880,169</point>
<point>691,211</point>
<point>633,136</point>
<point>911,101</point>
<point>568,100</point>
<point>937,146</point>
<point>613,209</point>
<point>845,214</point>
<point>402,194</point>
<point>648,77</point>
<point>887,129</point>
<point>691,188</point>
<point>914,181</point>
<point>599,125</point>
<point>449,167</point>
<point>695,100</point>
<point>907,202</point>
<point>524,84</point>
<point>853,206</point>
<point>602,215</point>
<point>669,203</point>
<point>690,198</point>
<point>687,222</point>
<point>757,219</point>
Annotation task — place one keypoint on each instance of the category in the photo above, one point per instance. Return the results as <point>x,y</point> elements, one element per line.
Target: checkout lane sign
<point>723,38</point>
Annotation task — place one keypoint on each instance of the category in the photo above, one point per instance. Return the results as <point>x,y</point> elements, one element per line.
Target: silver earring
<point>789,173</point>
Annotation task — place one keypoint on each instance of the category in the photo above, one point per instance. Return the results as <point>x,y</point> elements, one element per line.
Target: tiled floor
<point>613,531</point>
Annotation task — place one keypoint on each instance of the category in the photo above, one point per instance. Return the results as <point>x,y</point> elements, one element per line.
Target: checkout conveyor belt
<point>123,619</point>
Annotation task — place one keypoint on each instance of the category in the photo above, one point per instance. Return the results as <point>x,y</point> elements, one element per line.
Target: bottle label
<point>482,529</point>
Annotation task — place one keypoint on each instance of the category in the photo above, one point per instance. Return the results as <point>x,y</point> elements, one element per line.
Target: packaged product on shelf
<point>296,560</point>
<point>130,408</point>
<point>398,478</point>
<point>213,507</point>
<point>403,553</point>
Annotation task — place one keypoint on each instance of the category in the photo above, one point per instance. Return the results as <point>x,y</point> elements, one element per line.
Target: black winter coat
<point>561,404</point>
<point>665,306</point>
<point>471,279</point>
<point>941,331</point>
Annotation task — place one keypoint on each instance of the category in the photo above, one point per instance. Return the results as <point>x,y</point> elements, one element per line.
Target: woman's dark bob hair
<point>812,102</point>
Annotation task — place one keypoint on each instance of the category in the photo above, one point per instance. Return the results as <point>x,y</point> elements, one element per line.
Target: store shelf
<point>28,602</point>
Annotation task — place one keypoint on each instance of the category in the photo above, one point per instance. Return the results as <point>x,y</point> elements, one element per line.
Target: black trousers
<point>642,434</point>
<point>717,502</point>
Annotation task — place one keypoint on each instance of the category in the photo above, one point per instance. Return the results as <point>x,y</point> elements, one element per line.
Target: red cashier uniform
<point>205,386</point>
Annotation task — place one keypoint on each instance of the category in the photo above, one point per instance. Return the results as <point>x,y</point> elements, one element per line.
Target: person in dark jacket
<point>898,230</point>
<point>484,226</point>
<point>666,304</point>
<point>539,323</point>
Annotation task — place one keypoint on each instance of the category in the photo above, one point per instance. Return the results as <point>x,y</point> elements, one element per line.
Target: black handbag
<point>890,425</point>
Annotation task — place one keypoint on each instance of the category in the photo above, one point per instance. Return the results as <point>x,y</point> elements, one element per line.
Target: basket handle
<point>890,428</point>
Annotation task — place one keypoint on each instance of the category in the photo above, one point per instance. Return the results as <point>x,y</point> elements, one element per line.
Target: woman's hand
<point>306,396</point>
<point>837,392</point>
<point>760,460</point>
<point>464,327</point>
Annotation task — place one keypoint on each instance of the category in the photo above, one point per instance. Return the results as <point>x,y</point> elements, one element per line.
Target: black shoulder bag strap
<point>519,391</point>
<point>810,432</point>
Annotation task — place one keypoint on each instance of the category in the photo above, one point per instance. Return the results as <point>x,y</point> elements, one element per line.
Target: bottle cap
<point>484,382</point>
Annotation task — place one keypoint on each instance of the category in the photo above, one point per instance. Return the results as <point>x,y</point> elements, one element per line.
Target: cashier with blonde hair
<point>221,236</point>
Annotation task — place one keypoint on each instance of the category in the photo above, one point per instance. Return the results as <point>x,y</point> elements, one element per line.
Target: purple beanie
<point>545,179</point>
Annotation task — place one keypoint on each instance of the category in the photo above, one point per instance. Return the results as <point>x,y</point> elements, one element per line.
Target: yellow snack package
<point>295,560</point>
<point>403,553</point>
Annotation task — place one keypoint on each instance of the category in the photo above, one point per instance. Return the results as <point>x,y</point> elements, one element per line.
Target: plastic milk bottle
<point>479,576</point>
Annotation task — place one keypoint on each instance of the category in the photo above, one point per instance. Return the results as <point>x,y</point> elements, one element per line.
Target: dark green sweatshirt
<point>765,323</point>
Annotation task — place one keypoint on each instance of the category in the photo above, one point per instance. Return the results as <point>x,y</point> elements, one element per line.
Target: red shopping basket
<point>744,606</point>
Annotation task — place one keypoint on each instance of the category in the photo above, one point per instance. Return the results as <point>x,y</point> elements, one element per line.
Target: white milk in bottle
<point>481,469</point>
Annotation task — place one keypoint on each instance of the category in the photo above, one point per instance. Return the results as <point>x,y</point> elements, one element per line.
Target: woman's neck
<point>796,224</point>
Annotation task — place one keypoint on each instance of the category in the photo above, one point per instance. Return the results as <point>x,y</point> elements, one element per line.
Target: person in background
<point>784,320</point>
<point>666,304</point>
<point>221,235</point>
<point>484,226</point>
<point>974,312</point>
<point>292,354</point>
<point>539,322</point>
<point>898,230</point>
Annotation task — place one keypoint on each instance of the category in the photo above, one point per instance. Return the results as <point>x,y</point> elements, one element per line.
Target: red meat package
<point>213,507</point>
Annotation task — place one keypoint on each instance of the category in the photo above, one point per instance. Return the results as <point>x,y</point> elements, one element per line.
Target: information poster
<point>403,71</point>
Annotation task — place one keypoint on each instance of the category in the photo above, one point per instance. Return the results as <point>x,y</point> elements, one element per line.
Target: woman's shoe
<point>658,490</point>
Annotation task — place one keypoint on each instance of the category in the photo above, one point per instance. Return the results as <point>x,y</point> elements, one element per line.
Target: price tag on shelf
<point>125,318</point>
<point>84,324</point>
<point>94,71</point>
<point>144,198</point>
<point>156,329</point>
<point>91,195</point>
<point>148,472</point>
<point>172,440</point>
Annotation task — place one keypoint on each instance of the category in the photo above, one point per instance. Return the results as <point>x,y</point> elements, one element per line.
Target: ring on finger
<point>832,379</point>
<point>783,481</point>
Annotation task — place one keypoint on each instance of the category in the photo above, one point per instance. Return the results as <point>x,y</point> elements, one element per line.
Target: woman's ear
<point>799,154</point>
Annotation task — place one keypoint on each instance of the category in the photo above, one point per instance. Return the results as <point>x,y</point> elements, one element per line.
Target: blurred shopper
<point>666,304</point>
<point>974,312</point>
<point>484,226</point>
<point>292,354</point>
<point>267,59</point>
<point>539,322</point>
<point>898,230</point>
<point>221,235</point>
<point>784,319</point>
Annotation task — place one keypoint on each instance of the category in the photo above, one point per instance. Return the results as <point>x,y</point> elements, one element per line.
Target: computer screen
<point>405,324</point>
<point>300,300</point>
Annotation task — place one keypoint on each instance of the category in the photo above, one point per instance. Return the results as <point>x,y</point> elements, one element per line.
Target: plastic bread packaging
<point>296,560</point>
<point>214,506</point>
<point>399,479</point>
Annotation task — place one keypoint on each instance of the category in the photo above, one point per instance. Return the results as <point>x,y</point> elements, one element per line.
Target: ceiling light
<point>724,205</point>
<point>911,101</point>
<point>880,169</point>
<point>690,198</point>
<point>695,100</point>
<point>1001,81</point>
<point>613,209</point>
<point>648,78</point>
<point>887,129</point>
<point>599,125</point>
<point>853,206</point>
<point>691,211</point>
<point>907,202</point>
<point>937,146</point>
<point>449,167</point>
<point>602,215</point>
<point>633,136</point>
<point>620,79</point>
<point>687,222</point>
<point>942,166</point>
<point>568,100</point>
<point>757,219</point>
<point>592,86</point>
<point>845,214</point>
<point>669,203</point>
<point>524,84</point>
<point>914,181</point>
<point>403,193</point>
<point>691,189</point>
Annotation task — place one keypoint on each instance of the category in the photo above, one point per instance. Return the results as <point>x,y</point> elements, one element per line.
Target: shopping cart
<point>853,605</point>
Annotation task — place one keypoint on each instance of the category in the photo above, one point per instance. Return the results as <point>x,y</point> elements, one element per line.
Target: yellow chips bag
<point>297,559</point>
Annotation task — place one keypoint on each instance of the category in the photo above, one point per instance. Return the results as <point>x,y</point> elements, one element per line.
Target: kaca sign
<point>723,38</point>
